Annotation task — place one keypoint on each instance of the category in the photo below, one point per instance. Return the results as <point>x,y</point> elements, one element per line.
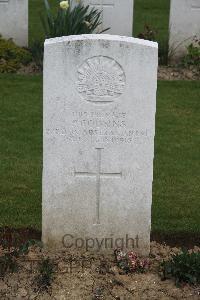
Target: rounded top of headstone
<point>101,37</point>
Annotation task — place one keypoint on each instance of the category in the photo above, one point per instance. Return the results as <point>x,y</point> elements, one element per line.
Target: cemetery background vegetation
<point>12,57</point>
<point>152,12</point>
<point>80,19</point>
<point>176,189</point>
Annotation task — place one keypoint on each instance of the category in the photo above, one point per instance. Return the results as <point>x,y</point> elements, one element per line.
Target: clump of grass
<point>46,275</point>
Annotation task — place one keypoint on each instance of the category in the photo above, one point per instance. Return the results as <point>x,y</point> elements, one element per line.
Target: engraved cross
<point>98,174</point>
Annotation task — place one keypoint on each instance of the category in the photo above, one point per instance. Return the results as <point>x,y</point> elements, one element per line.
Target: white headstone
<point>116,15</point>
<point>184,25</point>
<point>99,124</point>
<point>14,20</point>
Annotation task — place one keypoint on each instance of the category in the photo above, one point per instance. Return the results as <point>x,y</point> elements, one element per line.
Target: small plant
<point>12,56</point>
<point>70,19</point>
<point>12,250</point>
<point>148,33</point>
<point>46,274</point>
<point>129,262</point>
<point>192,58</point>
<point>184,268</point>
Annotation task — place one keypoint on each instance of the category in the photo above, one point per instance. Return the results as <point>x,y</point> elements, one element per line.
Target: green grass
<point>176,205</point>
<point>20,151</point>
<point>152,12</point>
<point>176,190</point>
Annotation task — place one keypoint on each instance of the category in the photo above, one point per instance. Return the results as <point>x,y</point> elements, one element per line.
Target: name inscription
<point>99,127</point>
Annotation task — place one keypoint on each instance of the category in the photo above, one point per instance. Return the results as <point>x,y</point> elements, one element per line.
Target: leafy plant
<point>46,274</point>
<point>70,19</point>
<point>184,268</point>
<point>12,56</point>
<point>12,249</point>
<point>192,58</point>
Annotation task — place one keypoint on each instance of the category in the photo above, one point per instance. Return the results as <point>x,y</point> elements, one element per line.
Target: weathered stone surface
<point>116,15</point>
<point>14,20</point>
<point>184,25</point>
<point>99,124</point>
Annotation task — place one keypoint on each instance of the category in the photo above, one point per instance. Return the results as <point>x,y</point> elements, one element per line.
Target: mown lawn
<point>20,150</point>
<point>176,205</point>
<point>152,12</point>
<point>176,189</point>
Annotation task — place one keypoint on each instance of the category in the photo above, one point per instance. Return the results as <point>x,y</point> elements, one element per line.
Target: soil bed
<point>178,73</point>
<point>83,275</point>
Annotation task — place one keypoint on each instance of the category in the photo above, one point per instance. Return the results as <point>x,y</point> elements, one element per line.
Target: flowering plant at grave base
<point>130,262</point>
<point>70,19</point>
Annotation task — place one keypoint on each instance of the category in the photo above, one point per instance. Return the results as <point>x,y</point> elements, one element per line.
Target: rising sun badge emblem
<point>100,79</point>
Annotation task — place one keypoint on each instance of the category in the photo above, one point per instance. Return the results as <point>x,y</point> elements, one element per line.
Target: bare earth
<point>82,275</point>
<point>178,73</point>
